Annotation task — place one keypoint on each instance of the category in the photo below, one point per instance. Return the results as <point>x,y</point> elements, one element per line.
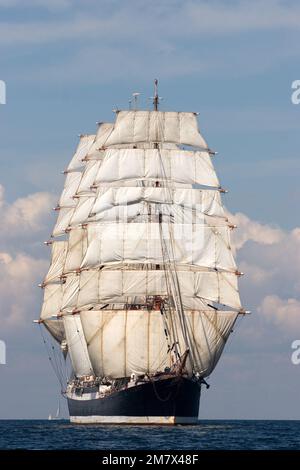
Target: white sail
<point>82,210</point>
<point>172,166</point>
<point>207,247</point>
<point>206,201</point>
<point>208,332</point>
<point>94,288</point>
<point>104,131</point>
<point>77,246</point>
<point>71,184</point>
<point>77,346</point>
<point>63,221</point>
<point>69,201</point>
<point>88,177</point>
<point>50,308</point>
<point>121,342</point>
<point>177,206</point>
<point>84,145</point>
<point>139,212</point>
<point>156,126</point>
<point>52,301</point>
<point>56,329</point>
<point>58,256</point>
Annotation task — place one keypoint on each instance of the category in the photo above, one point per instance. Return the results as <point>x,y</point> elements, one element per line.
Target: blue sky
<point>66,65</point>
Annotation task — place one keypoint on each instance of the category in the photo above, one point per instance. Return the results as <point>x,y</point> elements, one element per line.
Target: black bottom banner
<point>134,459</point>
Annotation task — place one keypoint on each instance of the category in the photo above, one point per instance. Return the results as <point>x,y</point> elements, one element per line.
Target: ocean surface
<point>47,435</point>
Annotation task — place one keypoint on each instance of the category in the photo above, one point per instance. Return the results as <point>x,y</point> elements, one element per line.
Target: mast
<point>135,98</point>
<point>156,97</point>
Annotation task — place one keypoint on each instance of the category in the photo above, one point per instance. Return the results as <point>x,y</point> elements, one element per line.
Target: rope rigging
<point>59,370</point>
<point>173,287</point>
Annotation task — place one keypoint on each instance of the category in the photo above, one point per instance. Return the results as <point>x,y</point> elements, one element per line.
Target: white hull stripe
<point>134,419</point>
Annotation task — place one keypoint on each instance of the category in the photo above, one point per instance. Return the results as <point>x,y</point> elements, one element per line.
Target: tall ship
<point>142,289</point>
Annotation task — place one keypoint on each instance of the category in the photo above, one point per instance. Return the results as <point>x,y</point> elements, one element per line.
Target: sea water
<point>221,434</point>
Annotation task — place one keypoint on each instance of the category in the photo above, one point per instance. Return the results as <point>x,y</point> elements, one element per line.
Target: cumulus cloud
<point>27,215</point>
<point>21,265</point>
<point>270,259</point>
<point>255,231</point>
<point>20,298</point>
<point>283,312</point>
<point>255,274</point>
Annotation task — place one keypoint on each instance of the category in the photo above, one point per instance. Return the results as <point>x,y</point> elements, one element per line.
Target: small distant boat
<point>57,415</point>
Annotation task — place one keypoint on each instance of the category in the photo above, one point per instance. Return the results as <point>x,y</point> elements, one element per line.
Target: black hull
<point>167,401</point>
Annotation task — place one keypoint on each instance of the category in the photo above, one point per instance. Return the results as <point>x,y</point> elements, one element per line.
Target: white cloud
<point>270,259</point>
<point>22,222</point>
<point>26,215</point>
<point>285,313</point>
<point>256,274</point>
<point>19,294</point>
<point>152,21</point>
<point>255,231</point>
